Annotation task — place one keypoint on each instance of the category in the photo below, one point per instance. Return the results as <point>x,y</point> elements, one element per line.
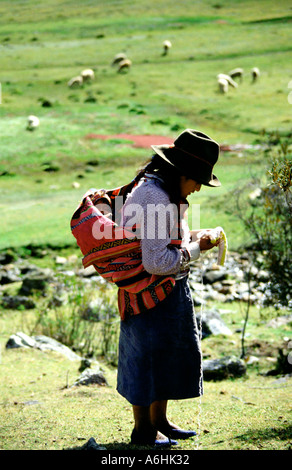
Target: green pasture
<point>40,410</point>
<point>44,44</point>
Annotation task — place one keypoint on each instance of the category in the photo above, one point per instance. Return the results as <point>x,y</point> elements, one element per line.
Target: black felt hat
<point>194,154</point>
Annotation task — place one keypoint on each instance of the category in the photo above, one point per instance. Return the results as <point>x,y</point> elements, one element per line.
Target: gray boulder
<point>224,368</point>
<point>214,275</point>
<point>41,342</point>
<point>17,301</point>
<point>212,324</point>
<point>92,376</point>
<point>36,281</point>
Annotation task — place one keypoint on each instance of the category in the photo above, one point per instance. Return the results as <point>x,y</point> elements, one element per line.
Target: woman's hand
<point>206,244</point>
<point>203,237</point>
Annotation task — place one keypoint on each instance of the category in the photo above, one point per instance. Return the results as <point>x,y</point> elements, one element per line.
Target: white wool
<point>75,81</point>
<point>124,64</point>
<point>223,85</point>
<point>87,74</point>
<point>32,122</point>
<point>118,58</point>
<point>228,78</point>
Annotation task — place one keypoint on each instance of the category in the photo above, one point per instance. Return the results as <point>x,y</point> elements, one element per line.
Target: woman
<point>159,350</point>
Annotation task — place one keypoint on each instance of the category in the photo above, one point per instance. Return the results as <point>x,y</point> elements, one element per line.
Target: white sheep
<point>228,78</point>
<point>255,73</point>
<point>75,81</point>
<point>166,46</point>
<point>118,58</point>
<point>87,75</point>
<point>124,64</point>
<point>223,85</point>
<point>33,123</point>
<point>237,72</point>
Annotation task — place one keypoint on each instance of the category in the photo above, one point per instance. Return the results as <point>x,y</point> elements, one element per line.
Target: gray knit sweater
<point>149,206</point>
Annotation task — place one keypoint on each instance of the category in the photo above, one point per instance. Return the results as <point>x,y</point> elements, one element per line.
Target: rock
<point>283,365</point>
<point>214,275</point>
<point>44,343</point>
<point>9,274</point>
<point>84,364</point>
<point>198,301</point>
<point>17,301</point>
<point>60,260</point>
<point>37,281</point>
<point>20,340</point>
<point>91,444</point>
<point>280,321</point>
<point>91,376</point>
<point>87,272</point>
<point>249,360</point>
<point>255,194</point>
<point>220,369</point>
<point>60,297</point>
<point>212,324</point>
<point>7,257</point>
<point>91,312</point>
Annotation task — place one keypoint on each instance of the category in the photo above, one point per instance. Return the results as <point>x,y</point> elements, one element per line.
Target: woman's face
<point>188,186</point>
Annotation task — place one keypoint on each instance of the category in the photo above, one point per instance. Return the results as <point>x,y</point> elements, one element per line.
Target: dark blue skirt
<point>159,351</point>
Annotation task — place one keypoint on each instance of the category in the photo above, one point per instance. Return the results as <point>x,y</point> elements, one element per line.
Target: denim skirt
<point>159,351</point>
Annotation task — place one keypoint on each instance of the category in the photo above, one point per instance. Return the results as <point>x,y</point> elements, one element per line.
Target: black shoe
<point>146,440</point>
<point>181,434</point>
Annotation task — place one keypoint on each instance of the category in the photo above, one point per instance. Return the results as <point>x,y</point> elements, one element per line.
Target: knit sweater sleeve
<point>154,214</point>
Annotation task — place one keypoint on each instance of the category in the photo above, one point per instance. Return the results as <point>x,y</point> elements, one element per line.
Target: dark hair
<point>168,173</point>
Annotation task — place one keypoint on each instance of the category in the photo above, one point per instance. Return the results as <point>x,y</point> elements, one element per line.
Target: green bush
<point>268,219</point>
<point>90,331</point>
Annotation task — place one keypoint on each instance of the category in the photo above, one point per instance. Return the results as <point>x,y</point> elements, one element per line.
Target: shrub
<point>87,332</point>
<point>268,219</point>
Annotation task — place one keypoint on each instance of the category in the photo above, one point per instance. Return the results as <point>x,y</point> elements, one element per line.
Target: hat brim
<point>159,149</point>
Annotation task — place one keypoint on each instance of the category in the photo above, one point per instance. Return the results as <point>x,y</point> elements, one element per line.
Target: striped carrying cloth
<point>115,252</point>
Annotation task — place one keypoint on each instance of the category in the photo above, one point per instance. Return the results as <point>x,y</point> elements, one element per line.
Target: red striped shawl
<point>117,258</point>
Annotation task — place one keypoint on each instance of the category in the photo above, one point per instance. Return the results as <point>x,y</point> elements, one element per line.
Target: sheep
<point>166,46</point>
<point>255,73</point>
<point>118,58</point>
<point>124,64</point>
<point>87,75</point>
<point>238,72</point>
<point>75,81</point>
<point>33,123</point>
<point>223,85</point>
<point>228,78</point>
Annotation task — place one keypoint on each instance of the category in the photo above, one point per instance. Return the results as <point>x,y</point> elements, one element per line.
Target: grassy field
<point>43,45</point>
<point>40,410</point>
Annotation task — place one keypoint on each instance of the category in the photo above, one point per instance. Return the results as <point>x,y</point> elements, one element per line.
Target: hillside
<point>93,136</point>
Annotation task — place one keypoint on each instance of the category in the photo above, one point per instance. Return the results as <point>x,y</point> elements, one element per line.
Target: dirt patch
<point>140,141</point>
<point>145,141</point>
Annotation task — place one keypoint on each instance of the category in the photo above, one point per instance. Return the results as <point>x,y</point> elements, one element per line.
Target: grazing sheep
<point>33,123</point>
<point>166,46</point>
<point>228,78</point>
<point>75,82</point>
<point>223,85</point>
<point>255,73</point>
<point>87,75</point>
<point>124,64</point>
<point>238,72</point>
<point>118,58</point>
